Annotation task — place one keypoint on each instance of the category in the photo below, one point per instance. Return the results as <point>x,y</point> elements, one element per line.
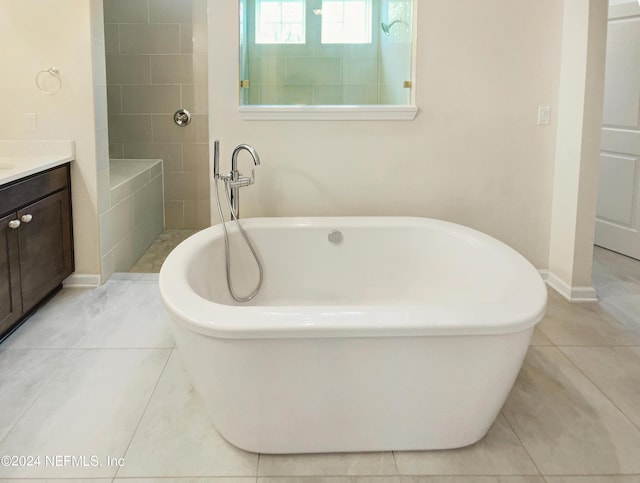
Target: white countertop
<point>19,159</point>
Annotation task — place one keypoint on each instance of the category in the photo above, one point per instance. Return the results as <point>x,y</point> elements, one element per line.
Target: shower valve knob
<point>182,117</point>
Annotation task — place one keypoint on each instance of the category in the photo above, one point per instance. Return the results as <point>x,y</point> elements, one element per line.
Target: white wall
<point>578,147</point>
<point>473,155</point>
<point>35,35</point>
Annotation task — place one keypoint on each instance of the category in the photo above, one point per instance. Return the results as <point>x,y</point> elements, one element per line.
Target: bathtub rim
<point>525,307</point>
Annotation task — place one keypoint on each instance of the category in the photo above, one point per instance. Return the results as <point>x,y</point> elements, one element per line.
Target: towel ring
<point>40,81</point>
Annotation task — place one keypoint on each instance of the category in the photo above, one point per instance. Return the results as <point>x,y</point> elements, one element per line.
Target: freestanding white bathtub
<point>406,335</point>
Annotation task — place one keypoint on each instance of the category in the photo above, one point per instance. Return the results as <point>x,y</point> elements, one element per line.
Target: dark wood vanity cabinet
<point>36,242</point>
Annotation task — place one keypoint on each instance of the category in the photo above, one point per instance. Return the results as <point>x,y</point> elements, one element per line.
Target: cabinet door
<point>45,247</point>
<point>10,303</point>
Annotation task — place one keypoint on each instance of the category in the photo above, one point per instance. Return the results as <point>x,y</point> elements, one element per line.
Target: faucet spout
<point>237,181</point>
<point>236,152</point>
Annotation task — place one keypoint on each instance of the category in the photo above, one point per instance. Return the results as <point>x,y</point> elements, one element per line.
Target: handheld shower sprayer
<point>216,160</point>
<point>233,181</point>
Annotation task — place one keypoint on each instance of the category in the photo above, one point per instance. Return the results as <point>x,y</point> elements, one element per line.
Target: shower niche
<point>327,56</point>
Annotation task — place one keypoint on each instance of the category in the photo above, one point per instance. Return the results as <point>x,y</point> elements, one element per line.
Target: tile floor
<point>94,373</point>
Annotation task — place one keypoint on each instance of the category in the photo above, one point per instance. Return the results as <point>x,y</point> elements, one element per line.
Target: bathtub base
<point>320,395</point>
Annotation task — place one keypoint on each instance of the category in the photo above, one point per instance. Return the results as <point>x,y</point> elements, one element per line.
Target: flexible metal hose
<point>227,255</point>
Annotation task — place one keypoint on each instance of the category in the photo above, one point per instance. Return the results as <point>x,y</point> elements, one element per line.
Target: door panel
<point>618,211</point>
<point>622,96</point>
<point>618,175</point>
<point>10,303</point>
<point>45,257</point>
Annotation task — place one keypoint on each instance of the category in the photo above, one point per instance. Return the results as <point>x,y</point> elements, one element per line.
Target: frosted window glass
<point>292,10</point>
<point>346,21</point>
<point>332,12</point>
<point>280,21</point>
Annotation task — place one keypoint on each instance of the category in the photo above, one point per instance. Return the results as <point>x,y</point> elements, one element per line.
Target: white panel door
<point>618,212</point>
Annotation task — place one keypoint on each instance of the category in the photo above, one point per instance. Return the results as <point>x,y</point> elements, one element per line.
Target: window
<point>326,59</point>
<point>280,21</point>
<point>346,21</point>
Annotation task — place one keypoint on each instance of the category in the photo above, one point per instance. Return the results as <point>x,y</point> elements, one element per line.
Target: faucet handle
<point>243,181</point>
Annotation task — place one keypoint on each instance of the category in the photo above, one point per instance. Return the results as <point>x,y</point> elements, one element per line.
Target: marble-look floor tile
<point>67,318</point>
<point>135,277</point>
<point>472,479</point>
<point>177,438</point>
<point>538,338</point>
<point>566,424</point>
<point>187,480</point>
<point>333,464</point>
<point>23,375</point>
<point>623,308</point>
<point>330,479</point>
<point>57,480</point>
<point>585,324</point>
<point>607,285</point>
<point>91,407</point>
<point>594,479</point>
<point>498,453</point>
<point>615,371</point>
<point>138,320</point>
<point>611,280</point>
<point>615,265</point>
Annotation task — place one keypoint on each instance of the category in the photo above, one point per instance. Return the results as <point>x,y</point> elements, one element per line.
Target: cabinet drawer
<point>20,193</point>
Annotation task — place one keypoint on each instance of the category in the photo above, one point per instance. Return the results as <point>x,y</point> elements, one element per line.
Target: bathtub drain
<point>335,237</point>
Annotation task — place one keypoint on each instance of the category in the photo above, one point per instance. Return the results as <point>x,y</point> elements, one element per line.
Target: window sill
<point>328,113</point>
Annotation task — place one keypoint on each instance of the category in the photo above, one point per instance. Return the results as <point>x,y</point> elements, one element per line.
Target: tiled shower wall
<point>156,64</point>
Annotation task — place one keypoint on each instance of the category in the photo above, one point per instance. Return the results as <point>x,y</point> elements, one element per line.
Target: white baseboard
<point>544,273</point>
<point>572,294</point>
<point>81,280</point>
